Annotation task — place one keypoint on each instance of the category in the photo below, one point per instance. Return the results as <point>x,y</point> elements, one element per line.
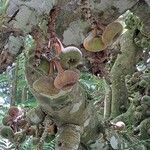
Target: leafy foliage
<point>6,145</point>
<point>93,85</point>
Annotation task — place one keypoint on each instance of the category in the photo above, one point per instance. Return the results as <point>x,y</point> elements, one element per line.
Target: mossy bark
<point>144,127</point>
<point>74,116</point>
<point>124,64</point>
<point>126,117</point>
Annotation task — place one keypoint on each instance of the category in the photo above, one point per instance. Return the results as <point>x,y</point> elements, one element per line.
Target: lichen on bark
<point>124,64</point>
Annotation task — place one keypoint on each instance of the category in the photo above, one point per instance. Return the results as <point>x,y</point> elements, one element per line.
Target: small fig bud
<point>138,115</point>
<point>7,132</point>
<point>146,100</point>
<point>7,120</point>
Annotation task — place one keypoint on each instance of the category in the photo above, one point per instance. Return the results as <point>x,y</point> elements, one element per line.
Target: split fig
<point>65,78</point>
<point>70,57</point>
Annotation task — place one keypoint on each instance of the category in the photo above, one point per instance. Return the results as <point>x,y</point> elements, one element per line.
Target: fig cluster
<point>62,74</point>
<point>17,126</point>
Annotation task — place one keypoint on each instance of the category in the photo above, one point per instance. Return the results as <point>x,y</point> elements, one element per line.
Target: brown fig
<point>13,111</point>
<point>65,78</point>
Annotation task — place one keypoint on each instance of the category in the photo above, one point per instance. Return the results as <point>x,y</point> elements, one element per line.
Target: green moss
<point>147,113</point>
<point>146,100</point>
<point>132,22</point>
<point>145,42</point>
<point>135,102</point>
<point>139,108</point>
<point>43,66</point>
<point>144,128</point>
<point>138,115</point>
<point>143,83</point>
<point>144,107</point>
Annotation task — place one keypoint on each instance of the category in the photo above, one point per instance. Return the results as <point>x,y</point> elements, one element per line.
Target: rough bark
<point>74,116</point>
<point>124,64</point>
<point>22,12</point>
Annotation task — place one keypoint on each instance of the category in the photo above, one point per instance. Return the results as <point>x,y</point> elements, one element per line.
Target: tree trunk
<point>124,64</point>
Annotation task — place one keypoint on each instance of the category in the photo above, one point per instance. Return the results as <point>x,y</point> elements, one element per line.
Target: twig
<point>38,50</point>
